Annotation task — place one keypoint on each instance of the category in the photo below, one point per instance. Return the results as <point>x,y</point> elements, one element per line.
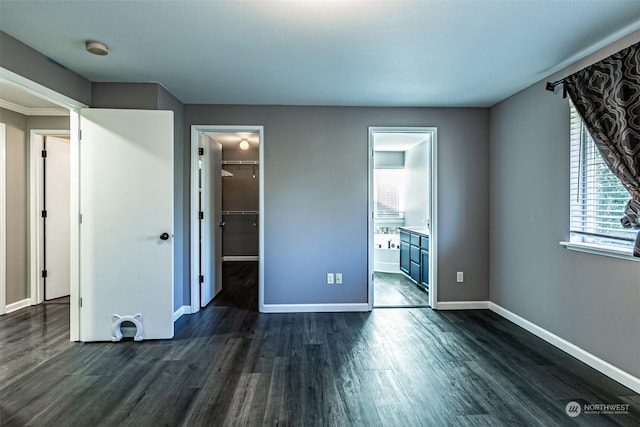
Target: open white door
<point>56,225</point>
<point>211,232</point>
<point>126,231</point>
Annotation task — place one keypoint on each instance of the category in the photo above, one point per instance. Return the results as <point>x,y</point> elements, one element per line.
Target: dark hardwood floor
<point>230,365</point>
<point>395,290</point>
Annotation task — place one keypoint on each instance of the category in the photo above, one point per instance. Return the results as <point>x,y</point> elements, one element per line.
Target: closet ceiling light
<point>97,48</point>
<point>244,145</point>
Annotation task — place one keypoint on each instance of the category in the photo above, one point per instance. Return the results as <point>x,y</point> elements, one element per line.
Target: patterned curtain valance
<point>607,97</point>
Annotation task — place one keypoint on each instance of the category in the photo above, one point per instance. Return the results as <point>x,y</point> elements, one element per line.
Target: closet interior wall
<point>240,202</point>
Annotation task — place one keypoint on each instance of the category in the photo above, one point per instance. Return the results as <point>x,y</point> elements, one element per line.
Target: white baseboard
<point>462,305</point>
<point>240,258</point>
<point>185,309</point>
<point>17,305</point>
<point>313,308</point>
<point>595,362</point>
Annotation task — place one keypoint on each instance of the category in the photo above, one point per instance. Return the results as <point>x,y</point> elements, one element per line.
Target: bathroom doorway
<point>402,217</point>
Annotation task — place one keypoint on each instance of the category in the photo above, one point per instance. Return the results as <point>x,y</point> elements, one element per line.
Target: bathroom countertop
<point>418,230</point>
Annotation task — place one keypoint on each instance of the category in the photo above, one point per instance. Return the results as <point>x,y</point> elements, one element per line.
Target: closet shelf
<point>240,212</point>
<point>240,162</point>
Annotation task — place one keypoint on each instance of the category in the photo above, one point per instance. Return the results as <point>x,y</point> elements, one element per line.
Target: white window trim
<point>598,249</point>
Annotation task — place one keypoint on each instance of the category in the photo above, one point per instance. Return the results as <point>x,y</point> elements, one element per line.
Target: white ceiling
<point>16,99</point>
<point>349,52</point>
<point>230,140</point>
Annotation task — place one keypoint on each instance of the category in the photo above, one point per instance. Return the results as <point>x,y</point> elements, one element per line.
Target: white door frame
<point>196,130</point>
<point>3,225</point>
<point>74,126</point>
<point>35,208</point>
<point>433,232</point>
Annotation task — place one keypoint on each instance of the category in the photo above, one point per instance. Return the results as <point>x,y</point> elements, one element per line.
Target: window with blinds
<point>388,200</point>
<point>598,197</point>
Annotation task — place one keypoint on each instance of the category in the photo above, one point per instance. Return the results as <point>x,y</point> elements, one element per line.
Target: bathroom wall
<point>418,188</point>
<point>388,160</point>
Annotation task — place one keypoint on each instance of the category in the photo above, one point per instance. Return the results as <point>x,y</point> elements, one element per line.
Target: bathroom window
<point>388,197</point>
<point>598,198</point>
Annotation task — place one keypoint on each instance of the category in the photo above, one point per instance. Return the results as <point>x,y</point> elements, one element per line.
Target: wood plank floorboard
<point>395,290</point>
<point>229,365</point>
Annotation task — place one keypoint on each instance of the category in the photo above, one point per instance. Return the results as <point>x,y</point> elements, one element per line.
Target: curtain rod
<point>551,87</point>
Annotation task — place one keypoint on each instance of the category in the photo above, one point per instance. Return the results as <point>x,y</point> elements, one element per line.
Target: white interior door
<point>57,222</point>
<point>211,232</point>
<point>126,203</point>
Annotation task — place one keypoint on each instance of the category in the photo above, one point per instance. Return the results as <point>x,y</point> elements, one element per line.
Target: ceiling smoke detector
<point>97,48</point>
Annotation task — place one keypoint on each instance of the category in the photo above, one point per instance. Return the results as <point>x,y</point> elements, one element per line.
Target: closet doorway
<point>226,221</point>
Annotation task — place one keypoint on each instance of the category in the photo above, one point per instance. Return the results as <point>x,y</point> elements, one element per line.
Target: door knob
<point>164,236</point>
<point>222,223</point>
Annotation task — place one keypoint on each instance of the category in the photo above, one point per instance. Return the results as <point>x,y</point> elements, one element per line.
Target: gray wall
<point>152,96</point>
<point>388,160</point>
<point>418,169</point>
<point>589,300</point>
<point>140,96</point>
<point>316,196</point>
<point>18,135</point>
<point>21,59</point>
<point>16,191</point>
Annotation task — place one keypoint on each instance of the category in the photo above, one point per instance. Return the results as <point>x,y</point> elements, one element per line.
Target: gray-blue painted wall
<point>316,169</point>
<point>589,300</point>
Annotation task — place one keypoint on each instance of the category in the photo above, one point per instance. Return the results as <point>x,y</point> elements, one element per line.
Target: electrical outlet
<point>460,276</point>
<point>329,278</point>
<point>338,278</point>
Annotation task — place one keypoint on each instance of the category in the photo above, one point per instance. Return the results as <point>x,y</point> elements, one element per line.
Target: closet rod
<point>240,212</point>
<point>241,162</point>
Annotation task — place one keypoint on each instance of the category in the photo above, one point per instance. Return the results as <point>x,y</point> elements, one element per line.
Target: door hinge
<point>44,274</point>
<point>44,213</point>
<point>201,278</point>
<point>80,218</point>
<point>201,216</point>
<point>200,151</point>
<point>44,153</point>
<point>79,134</point>
<point>80,302</point>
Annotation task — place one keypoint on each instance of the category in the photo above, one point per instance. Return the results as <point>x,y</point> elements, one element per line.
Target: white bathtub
<point>386,260</point>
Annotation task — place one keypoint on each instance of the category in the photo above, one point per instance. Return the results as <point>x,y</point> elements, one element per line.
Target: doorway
<point>47,103</point>
<point>50,197</point>
<point>402,217</point>
<point>227,197</point>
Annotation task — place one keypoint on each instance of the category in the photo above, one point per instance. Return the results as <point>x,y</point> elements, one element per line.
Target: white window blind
<point>598,197</point>
<point>388,200</point>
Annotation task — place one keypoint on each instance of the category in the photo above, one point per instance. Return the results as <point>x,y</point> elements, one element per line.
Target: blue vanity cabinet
<point>424,261</point>
<point>414,255</point>
<point>405,246</point>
